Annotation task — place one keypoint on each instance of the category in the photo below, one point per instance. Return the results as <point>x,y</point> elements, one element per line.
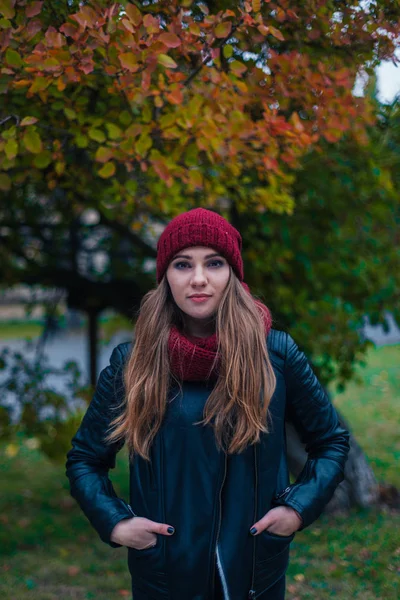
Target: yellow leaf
<point>11,450</point>
<point>107,170</point>
<point>7,9</point>
<point>256,4</point>
<point>166,61</point>
<point>194,29</point>
<point>223,29</point>
<point>129,61</point>
<point>28,121</point>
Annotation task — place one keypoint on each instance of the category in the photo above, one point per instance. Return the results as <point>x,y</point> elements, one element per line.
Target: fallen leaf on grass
<point>73,570</point>
<point>124,592</point>
<point>299,577</point>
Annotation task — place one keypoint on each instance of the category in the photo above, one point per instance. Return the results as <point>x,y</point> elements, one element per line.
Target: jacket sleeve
<point>90,458</point>
<point>326,441</point>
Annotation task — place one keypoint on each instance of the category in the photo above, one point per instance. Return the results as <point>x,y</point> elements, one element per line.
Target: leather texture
<point>206,495</point>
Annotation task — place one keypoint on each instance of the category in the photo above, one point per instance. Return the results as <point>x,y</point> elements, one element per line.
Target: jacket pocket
<point>272,559</point>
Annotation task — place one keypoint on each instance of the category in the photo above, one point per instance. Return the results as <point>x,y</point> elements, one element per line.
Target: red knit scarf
<point>195,359</point>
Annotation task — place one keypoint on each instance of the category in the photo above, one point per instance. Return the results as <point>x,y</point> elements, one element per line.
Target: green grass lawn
<point>48,550</point>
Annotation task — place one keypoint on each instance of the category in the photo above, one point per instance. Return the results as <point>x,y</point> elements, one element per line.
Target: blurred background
<point>114,117</point>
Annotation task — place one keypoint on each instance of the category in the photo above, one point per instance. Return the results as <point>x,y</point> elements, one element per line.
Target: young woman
<point>200,399</point>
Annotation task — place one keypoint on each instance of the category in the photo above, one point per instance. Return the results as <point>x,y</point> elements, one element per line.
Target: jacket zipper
<point>252,592</point>
<point>218,530</point>
<point>285,491</point>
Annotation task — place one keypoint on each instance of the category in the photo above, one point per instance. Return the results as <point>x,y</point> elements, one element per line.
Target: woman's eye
<point>181,265</point>
<point>216,263</point>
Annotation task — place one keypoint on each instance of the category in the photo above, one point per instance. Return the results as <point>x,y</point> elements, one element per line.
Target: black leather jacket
<point>211,499</point>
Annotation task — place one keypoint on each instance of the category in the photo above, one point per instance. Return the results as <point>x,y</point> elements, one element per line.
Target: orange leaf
<point>33,9</point>
<point>134,14</point>
<point>223,29</point>
<point>123,592</point>
<point>276,33</point>
<point>256,4</point>
<point>170,40</point>
<point>237,67</point>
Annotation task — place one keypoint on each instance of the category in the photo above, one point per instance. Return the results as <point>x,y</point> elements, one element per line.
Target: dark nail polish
<point>171,530</point>
<point>253,531</point>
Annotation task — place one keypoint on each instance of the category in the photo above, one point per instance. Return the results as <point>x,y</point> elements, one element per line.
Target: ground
<point>48,550</point>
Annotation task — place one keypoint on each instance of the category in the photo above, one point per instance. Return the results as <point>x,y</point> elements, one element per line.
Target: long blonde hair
<point>237,407</point>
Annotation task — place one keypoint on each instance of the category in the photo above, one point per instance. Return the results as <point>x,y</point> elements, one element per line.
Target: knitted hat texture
<point>199,227</point>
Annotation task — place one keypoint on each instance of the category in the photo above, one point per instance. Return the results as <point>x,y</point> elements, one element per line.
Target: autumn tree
<point>141,110</point>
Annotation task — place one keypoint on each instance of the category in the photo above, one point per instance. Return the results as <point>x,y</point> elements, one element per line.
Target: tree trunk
<point>359,488</point>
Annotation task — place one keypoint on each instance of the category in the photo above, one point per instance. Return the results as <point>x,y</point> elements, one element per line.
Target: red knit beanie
<point>199,227</point>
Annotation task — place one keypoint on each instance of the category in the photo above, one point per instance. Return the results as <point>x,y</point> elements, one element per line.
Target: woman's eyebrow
<point>189,257</point>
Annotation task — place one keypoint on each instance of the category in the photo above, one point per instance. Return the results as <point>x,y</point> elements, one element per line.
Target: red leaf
<point>33,9</point>
<point>170,40</point>
<point>69,30</point>
<point>54,39</point>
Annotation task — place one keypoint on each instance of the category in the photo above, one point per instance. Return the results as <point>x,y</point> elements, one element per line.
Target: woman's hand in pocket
<point>139,533</point>
<point>281,520</point>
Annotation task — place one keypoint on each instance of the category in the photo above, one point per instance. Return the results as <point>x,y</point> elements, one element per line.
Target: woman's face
<point>198,277</point>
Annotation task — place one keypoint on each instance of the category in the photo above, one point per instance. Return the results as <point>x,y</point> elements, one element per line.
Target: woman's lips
<point>199,299</point>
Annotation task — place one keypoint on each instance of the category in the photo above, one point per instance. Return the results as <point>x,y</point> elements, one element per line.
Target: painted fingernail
<point>171,530</point>
<point>253,531</point>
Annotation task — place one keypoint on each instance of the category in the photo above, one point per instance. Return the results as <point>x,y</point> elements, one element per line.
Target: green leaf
<point>42,160</point>
<point>227,51</point>
<point>5,24</point>
<point>166,61</point>
<point>5,182</point>
<point>11,149</point>
<point>13,58</point>
<point>81,140</point>
<point>114,132</point>
<point>125,118</point>
<point>7,9</point>
<point>107,170</point>
<point>143,144</point>
<point>32,141</point>
<point>69,113</point>
<point>97,135</point>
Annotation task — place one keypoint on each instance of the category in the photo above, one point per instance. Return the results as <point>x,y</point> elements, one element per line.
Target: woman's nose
<point>199,276</point>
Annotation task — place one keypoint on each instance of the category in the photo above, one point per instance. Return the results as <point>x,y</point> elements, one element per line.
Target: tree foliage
<point>154,105</point>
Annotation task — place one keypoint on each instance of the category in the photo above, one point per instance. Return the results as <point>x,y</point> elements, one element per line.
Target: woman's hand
<point>139,533</point>
<point>281,520</point>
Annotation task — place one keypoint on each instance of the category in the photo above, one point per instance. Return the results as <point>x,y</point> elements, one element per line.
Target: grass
<point>10,330</point>
<point>48,550</point>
